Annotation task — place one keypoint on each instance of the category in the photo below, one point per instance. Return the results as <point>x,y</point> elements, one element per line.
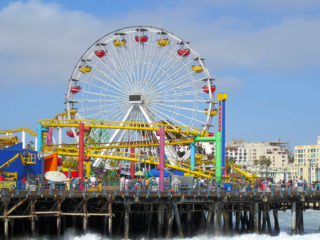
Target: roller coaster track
<point>142,158</point>
<point>19,130</point>
<point>126,125</point>
<point>96,151</point>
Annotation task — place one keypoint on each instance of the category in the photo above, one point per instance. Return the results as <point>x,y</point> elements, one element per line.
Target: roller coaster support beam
<point>49,136</point>
<point>81,150</point>
<point>132,163</point>
<point>222,98</point>
<point>161,134</point>
<point>192,156</point>
<point>218,140</point>
<point>40,130</point>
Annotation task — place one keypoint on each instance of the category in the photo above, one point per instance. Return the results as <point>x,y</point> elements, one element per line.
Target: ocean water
<point>311,227</point>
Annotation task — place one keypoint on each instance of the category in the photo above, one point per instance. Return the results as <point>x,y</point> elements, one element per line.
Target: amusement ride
<point>139,97</point>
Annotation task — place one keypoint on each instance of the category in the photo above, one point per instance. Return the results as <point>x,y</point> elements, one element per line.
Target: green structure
<point>218,139</point>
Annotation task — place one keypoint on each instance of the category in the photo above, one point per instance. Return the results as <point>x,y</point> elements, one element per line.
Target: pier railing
<point>110,187</point>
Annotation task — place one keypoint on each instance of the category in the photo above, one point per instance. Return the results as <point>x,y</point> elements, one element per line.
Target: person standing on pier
<point>122,182</point>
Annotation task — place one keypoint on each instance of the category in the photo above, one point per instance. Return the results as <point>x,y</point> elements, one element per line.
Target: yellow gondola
<point>163,42</point>
<point>212,112</point>
<point>85,69</point>
<point>119,43</point>
<point>197,68</point>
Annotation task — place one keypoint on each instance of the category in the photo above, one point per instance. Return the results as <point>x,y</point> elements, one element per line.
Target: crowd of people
<point>172,183</point>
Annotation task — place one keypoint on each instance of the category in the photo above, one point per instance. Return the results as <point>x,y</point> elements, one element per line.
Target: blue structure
<point>21,161</point>
<point>192,156</point>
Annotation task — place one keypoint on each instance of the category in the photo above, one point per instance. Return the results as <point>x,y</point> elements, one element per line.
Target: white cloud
<point>41,43</point>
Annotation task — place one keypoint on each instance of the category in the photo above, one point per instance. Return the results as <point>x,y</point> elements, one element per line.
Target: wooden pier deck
<point>151,214</point>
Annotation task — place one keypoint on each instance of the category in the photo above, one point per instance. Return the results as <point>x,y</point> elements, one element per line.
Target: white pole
<point>60,135</point>
<point>23,139</point>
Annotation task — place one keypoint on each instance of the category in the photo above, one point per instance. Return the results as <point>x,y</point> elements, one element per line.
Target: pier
<point>131,214</point>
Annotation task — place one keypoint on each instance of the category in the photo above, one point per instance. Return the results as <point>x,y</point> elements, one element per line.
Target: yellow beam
<point>19,130</point>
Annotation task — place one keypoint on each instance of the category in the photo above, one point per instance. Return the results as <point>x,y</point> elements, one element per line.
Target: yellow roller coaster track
<point>19,130</point>
<point>125,125</point>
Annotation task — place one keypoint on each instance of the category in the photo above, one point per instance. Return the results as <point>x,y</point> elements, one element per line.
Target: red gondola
<point>141,39</point>
<point>210,135</point>
<point>100,53</point>
<point>70,133</point>
<point>87,129</point>
<point>183,52</point>
<point>75,89</point>
<point>206,89</point>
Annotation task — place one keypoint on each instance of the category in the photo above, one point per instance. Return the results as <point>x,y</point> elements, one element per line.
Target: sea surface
<point>311,227</point>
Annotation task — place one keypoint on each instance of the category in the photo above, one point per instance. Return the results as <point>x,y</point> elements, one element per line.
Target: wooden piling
<point>149,221</point>
<point>110,218</point>
<point>264,219</point>
<point>256,218</point>
<point>209,219</point>
<point>58,217</point>
<point>85,216</point>
<point>160,219</point>
<point>217,218</point>
<point>268,220</point>
<point>177,218</point>
<point>293,218</point>
<point>226,227</point>
<point>126,221</point>
<point>6,220</point>
<point>237,225</point>
<point>189,219</point>
<point>33,217</point>
<point>170,221</point>
<point>276,221</point>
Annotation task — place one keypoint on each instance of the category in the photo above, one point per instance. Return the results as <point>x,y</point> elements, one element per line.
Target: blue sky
<point>265,54</point>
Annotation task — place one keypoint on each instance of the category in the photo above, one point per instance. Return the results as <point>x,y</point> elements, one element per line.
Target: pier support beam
<point>160,219</point>
<point>126,221</point>
<point>85,216</point>
<point>209,219</point>
<point>170,221</point>
<point>110,218</point>
<point>276,221</point>
<point>6,220</point>
<point>217,218</point>
<point>256,218</point>
<point>177,218</point>
<point>59,217</point>
<point>293,218</point>
<point>33,217</point>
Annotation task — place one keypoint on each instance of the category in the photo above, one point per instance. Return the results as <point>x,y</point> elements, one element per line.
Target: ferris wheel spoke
<point>99,87</point>
<point>168,59</point>
<point>179,101</point>
<point>106,75</point>
<point>100,94</point>
<point>181,115</point>
<point>181,108</point>
<point>154,109</point>
<point>99,107</point>
<point>172,80</point>
<point>180,94</point>
<point>116,90</point>
<point>168,66</point>
<point>116,66</point>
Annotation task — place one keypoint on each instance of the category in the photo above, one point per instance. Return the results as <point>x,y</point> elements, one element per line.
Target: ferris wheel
<point>141,74</point>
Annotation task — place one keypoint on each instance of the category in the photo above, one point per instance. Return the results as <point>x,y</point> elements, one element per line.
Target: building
<point>306,162</point>
<point>247,153</point>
